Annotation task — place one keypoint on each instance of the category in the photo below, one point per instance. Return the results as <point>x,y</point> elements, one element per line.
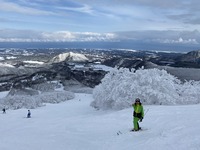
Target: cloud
<point>59,36</point>
<point>101,15</point>
<point>173,37</point>
<point>4,20</point>
<point>184,11</point>
<point>187,18</point>
<point>83,9</point>
<point>149,3</point>
<point>179,41</point>
<point>14,7</point>
<point>66,36</point>
<point>170,36</point>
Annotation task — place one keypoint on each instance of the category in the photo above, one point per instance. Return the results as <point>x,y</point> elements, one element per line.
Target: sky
<point>150,21</point>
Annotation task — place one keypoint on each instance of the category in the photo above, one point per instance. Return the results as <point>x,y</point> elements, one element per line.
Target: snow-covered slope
<point>7,69</point>
<point>74,125</point>
<point>69,57</point>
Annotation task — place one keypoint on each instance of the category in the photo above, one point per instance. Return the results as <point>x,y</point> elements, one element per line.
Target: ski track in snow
<point>74,125</point>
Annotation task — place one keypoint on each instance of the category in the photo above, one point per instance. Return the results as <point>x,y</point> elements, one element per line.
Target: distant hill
<point>193,56</point>
<point>190,59</point>
<point>69,57</point>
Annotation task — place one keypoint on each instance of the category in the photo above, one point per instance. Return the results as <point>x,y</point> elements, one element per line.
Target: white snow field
<point>75,125</point>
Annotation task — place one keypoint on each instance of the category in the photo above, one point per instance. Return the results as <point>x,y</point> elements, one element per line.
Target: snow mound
<point>70,57</point>
<point>119,88</point>
<point>30,102</point>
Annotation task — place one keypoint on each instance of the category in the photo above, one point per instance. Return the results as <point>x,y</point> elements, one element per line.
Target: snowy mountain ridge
<point>74,125</point>
<point>69,57</point>
<point>39,77</point>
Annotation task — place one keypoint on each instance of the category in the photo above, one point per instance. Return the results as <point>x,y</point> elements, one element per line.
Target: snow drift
<point>119,88</point>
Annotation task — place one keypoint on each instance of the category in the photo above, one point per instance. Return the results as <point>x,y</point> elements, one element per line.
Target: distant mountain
<point>193,56</point>
<point>189,60</point>
<point>69,57</point>
<point>120,62</point>
<point>8,70</point>
<point>31,68</point>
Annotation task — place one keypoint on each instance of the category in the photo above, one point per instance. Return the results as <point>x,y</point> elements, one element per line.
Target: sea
<point>104,45</point>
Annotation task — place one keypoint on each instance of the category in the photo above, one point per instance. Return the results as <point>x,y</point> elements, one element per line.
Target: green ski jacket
<point>138,111</point>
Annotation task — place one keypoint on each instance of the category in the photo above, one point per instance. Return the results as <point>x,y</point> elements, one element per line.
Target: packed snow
<point>3,94</point>
<point>103,120</point>
<point>33,62</point>
<point>75,125</point>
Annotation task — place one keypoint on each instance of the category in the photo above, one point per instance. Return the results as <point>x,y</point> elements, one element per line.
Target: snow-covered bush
<point>190,93</point>
<point>46,87</point>
<point>25,101</point>
<point>21,101</point>
<point>119,88</point>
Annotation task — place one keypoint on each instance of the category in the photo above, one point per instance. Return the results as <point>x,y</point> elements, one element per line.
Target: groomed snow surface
<point>171,119</point>
<point>75,125</point>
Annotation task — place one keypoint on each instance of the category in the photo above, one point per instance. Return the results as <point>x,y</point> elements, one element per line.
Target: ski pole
<point>146,112</point>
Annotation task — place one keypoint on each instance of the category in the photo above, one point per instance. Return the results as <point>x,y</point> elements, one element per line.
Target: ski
<point>142,129</point>
<point>119,132</point>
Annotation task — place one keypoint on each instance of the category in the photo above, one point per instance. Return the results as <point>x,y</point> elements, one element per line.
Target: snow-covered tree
<point>27,101</point>
<point>120,88</point>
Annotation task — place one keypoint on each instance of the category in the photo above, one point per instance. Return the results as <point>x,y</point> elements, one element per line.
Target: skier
<point>4,110</point>
<point>138,114</point>
<point>29,114</point>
